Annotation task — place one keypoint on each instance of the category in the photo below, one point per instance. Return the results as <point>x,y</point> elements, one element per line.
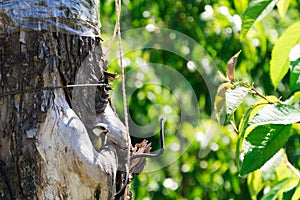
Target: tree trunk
<point>48,149</point>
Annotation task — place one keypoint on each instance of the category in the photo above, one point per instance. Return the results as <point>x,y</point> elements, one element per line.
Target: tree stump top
<point>72,16</point>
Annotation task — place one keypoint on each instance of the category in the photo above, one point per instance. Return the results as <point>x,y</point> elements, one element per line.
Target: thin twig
<point>262,96</point>
<point>118,5</point>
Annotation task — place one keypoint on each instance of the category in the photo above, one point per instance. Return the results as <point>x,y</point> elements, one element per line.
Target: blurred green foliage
<point>200,162</point>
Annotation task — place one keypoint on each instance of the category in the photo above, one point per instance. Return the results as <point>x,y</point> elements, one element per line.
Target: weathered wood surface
<point>45,148</point>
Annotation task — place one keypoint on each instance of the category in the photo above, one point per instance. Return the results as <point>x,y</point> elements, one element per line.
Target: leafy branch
<point>264,128</point>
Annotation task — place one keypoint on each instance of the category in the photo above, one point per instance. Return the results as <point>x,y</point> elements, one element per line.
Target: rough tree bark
<point>45,134</point>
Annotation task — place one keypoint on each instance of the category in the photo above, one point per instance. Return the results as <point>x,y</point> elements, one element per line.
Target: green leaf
<point>276,114</point>
<point>242,131</point>
<point>282,6</point>
<point>234,97</point>
<point>295,68</point>
<point>295,75</point>
<point>261,144</point>
<point>240,5</point>
<point>273,193</point>
<point>279,64</point>
<point>255,12</point>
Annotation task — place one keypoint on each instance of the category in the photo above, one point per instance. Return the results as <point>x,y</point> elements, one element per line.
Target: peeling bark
<point>71,167</point>
<point>46,152</point>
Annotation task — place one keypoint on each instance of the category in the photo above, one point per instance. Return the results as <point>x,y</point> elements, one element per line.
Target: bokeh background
<point>200,159</point>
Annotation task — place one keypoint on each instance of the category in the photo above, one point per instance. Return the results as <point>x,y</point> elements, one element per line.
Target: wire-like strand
<point>118,10</point>
<point>162,144</point>
<point>118,13</point>
<point>49,88</point>
<point>122,190</point>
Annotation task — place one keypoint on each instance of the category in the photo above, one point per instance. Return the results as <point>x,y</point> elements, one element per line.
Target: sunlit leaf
<point>255,183</point>
<point>284,171</point>
<point>234,97</point>
<point>261,144</point>
<point>255,12</point>
<point>269,168</point>
<point>240,5</point>
<point>279,64</point>
<point>294,54</point>
<point>273,193</point>
<point>220,100</point>
<point>282,6</point>
<point>231,66</point>
<point>276,114</point>
<point>228,99</point>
